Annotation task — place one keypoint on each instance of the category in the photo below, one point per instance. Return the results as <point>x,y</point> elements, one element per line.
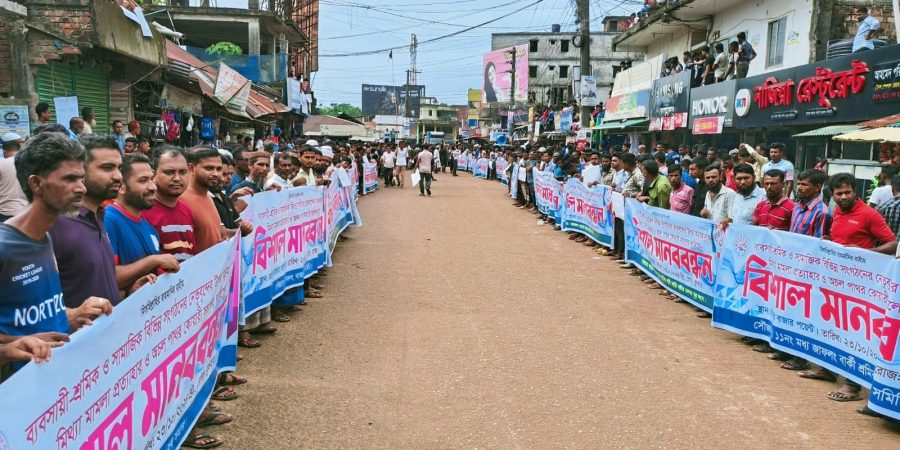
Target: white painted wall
<point>752,17</point>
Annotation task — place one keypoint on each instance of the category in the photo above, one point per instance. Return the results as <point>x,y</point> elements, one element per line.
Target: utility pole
<point>512,86</point>
<point>584,23</point>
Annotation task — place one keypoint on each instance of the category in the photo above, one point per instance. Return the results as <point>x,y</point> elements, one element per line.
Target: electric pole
<point>584,23</point>
<point>512,87</point>
<point>411,73</point>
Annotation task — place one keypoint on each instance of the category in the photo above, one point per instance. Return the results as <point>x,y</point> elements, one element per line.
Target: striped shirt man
<point>776,216</point>
<point>811,218</point>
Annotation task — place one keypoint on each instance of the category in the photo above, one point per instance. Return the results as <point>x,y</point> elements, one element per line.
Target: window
<point>532,71</point>
<point>564,45</point>
<point>564,71</point>
<point>429,113</point>
<point>777,31</point>
<point>532,46</point>
<point>612,26</point>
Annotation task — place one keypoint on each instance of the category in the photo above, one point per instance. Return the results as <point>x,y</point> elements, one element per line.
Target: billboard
<point>474,100</point>
<point>712,108</point>
<point>669,102</point>
<point>387,100</point>
<point>497,71</point>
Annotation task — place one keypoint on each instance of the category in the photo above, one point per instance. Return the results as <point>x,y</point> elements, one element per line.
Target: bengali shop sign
<point>481,168</point>
<point>139,378</point>
<point>287,244</point>
<point>588,211</point>
<point>548,192</point>
<point>370,178</point>
<point>674,249</point>
<point>838,307</point>
<point>501,170</point>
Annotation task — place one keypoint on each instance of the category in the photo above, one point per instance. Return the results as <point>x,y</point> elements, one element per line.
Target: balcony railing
<point>256,68</point>
<point>280,8</point>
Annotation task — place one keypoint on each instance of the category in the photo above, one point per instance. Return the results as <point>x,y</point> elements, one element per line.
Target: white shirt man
<point>402,156</point>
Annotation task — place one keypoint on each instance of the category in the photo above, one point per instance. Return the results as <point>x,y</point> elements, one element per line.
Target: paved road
<point>448,323</point>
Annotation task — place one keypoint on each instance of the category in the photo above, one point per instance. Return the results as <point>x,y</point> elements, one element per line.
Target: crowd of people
<point>88,220</point>
<point>751,185</point>
<point>709,67</point>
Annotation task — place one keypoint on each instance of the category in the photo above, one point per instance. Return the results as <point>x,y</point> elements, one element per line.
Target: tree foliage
<point>224,49</point>
<point>339,108</point>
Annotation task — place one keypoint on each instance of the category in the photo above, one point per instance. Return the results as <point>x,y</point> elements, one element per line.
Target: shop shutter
<point>90,85</point>
<point>119,102</point>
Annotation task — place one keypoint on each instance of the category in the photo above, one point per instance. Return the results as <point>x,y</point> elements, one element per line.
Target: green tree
<point>339,108</point>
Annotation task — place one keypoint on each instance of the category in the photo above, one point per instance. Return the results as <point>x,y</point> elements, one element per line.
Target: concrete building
<point>553,60</point>
<point>437,117</point>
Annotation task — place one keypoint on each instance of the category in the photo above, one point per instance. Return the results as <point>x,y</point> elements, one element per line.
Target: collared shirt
<point>784,165</point>
<point>619,179</point>
<point>120,141</point>
<point>865,27</point>
<point>607,178</point>
<point>635,183</point>
<point>811,218</point>
<point>890,210</point>
<point>84,258</point>
<point>681,199</point>
<point>719,205</point>
<point>743,206</point>
<point>687,179</point>
<point>699,201</point>
<point>592,174</point>
<point>659,192</point>
<point>774,215</point>
<point>280,182</point>
<point>862,226</point>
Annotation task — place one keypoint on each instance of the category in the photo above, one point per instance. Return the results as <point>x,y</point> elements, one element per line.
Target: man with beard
<point>682,195</point>
<point>775,211</point>
<point>80,241</point>
<point>241,169</point>
<point>696,170</point>
<point>258,163</point>
<point>206,176</point>
<point>143,146</point>
<point>283,167</point>
<point>134,241</point>
<point>719,199</point>
<point>50,170</point>
<point>172,218</point>
<point>749,195</point>
<point>130,145</point>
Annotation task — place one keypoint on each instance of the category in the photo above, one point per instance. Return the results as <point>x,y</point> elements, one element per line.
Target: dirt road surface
<point>448,322</point>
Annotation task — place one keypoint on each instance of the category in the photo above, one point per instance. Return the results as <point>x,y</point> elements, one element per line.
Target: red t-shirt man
<point>862,227</point>
<point>175,227</point>
<point>207,231</point>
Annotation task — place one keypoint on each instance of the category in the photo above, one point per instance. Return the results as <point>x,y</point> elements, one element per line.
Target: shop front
<point>796,105</point>
<point>712,115</point>
<point>669,104</point>
<point>625,119</point>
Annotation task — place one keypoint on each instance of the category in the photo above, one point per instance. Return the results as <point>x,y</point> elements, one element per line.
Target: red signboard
<point>708,125</point>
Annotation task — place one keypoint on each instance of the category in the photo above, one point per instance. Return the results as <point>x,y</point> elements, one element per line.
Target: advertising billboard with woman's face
<point>497,70</point>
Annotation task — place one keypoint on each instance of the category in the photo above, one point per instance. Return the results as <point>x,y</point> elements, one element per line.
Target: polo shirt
<point>811,218</point>
<point>862,226</point>
<point>659,192</point>
<point>890,210</point>
<point>175,227</point>
<point>743,206</point>
<point>207,225</point>
<point>774,215</point>
<point>131,238</point>
<point>681,199</point>
<point>84,258</point>
<point>719,205</point>
<point>784,165</point>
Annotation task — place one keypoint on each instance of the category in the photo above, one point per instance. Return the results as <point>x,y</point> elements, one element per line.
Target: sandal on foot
<point>779,356</point>
<point>201,440</point>
<point>215,418</point>
<point>224,394</point>
<point>704,315</point>
<point>817,375</point>
<point>795,364</point>
<point>839,396</point>
<point>762,348</point>
<point>313,294</point>
<point>264,329</point>
<point>230,379</point>
<point>294,308</point>
<point>248,343</point>
<point>280,317</point>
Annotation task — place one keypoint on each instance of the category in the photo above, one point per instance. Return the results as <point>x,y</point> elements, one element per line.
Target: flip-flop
<point>192,441</point>
<point>224,394</point>
<point>230,379</point>
<point>248,343</point>
<point>779,356</point>
<point>816,375</point>
<point>313,294</point>
<point>280,317</point>
<point>795,364</point>
<point>842,397</point>
<point>762,348</point>
<point>217,418</point>
<point>263,330</point>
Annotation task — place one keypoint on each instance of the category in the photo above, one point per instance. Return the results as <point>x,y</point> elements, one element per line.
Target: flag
<point>391,54</point>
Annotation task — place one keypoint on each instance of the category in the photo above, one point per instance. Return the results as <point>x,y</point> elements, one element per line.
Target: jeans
<point>741,70</point>
<point>388,174</point>
<point>425,184</point>
<point>532,193</point>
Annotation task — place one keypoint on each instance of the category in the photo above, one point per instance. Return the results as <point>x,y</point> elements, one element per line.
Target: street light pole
<point>584,11</point>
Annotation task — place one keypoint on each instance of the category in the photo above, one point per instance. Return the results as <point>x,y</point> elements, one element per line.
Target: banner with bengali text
<point>674,249</point>
<point>481,168</point>
<point>287,244</point>
<point>588,211</point>
<point>470,163</point>
<point>139,378</point>
<point>835,306</point>
<point>370,177</point>
<point>501,170</point>
<point>338,212</point>
<point>548,192</point>
<point>461,161</point>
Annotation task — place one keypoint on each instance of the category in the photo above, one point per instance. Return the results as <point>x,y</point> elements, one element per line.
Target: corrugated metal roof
<point>881,134</point>
<point>830,130</point>
<point>889,121</point>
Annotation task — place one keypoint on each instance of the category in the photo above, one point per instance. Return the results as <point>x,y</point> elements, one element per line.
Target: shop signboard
<point>627,106</point>
<point>669,102</point>
<point>845,89</point>
<point>712,108</point>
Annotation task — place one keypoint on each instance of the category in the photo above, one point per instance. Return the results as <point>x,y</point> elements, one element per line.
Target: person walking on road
<point>387,167</point>
<point>424,161</point>
<point>400,166</point>
<point>436,157</point>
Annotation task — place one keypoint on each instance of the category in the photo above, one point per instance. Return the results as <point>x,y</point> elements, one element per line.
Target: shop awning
<point>889,121</point>
<point>621,125</point>
<point>831,130</point>
<point>205,76</point>
<point>883,134</point>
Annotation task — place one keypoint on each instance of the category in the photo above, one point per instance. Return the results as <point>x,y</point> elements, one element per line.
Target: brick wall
<point>5,59</point>
<point>844,26</point>
<point>69,20</point>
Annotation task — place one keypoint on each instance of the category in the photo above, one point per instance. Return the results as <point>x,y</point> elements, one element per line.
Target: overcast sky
<point>449,66</point>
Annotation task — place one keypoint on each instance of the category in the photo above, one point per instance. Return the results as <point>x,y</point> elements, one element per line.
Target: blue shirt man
<point>868,25</point>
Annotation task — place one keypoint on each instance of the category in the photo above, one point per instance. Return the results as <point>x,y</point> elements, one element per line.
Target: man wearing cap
<point>12,198</point>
